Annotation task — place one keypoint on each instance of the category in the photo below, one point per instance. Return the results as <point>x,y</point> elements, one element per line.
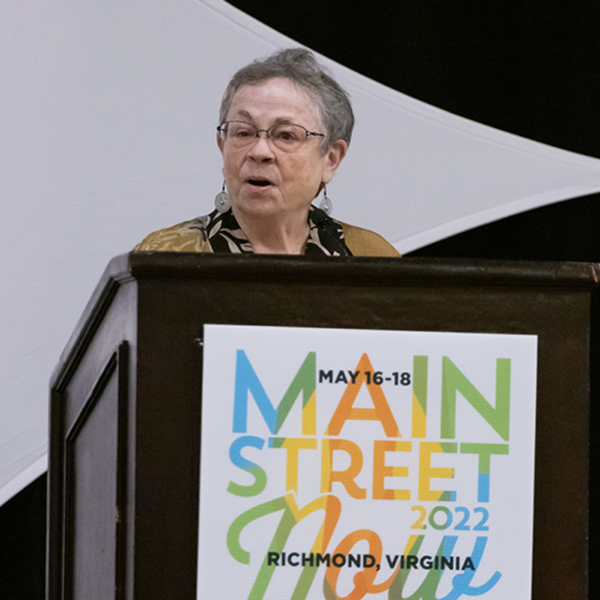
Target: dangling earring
<point>326,204</point>
<point>222,200</point>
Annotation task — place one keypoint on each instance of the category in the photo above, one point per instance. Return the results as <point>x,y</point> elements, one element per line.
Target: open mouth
<point>259,182</point>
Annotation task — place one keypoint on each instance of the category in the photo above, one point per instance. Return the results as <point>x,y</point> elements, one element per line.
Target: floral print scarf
<point>326,236</point>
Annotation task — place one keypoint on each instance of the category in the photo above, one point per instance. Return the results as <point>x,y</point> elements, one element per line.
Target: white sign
<point>350,464</point>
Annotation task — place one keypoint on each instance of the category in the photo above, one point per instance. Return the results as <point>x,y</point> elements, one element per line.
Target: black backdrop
<point>530,67</point>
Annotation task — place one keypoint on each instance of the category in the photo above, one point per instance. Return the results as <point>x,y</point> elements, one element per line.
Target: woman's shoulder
<point>363,242</point>
<point>189,236</point>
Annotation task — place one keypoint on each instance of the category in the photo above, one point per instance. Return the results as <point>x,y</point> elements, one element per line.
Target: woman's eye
<point>241,133</point>
<point>285,135</point>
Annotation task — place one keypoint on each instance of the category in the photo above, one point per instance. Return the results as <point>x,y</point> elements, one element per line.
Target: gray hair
<point>301,67</point>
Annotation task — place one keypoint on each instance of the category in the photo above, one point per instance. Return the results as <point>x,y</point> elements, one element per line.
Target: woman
<point>285,127</point>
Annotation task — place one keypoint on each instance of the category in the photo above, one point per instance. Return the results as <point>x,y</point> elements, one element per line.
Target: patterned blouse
<point>222,233</point>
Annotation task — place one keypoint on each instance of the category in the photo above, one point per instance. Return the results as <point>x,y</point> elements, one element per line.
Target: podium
<point>125,405</point>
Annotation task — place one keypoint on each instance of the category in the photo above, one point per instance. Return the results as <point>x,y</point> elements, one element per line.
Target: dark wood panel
<point>94,497</point>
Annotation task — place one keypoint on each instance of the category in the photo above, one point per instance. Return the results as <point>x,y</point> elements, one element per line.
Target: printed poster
<point>351,464</point>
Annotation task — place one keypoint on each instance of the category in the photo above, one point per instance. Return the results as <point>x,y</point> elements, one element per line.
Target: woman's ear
<point>334,157</point>
<point>220,143</point>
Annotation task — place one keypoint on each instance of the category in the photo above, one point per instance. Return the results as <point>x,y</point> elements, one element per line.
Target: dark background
<point>530,68</point>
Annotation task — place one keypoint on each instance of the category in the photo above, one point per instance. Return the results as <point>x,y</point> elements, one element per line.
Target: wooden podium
<point>125,398</point>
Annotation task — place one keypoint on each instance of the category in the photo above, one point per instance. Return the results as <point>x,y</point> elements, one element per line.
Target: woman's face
<point>262,180</point>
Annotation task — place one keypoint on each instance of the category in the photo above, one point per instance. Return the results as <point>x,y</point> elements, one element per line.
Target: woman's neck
<point>274,235</point>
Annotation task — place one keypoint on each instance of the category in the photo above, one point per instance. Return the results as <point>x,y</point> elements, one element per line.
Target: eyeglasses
<point>285,136</point>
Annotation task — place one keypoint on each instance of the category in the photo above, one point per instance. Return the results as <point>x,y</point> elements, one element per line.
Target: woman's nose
<point>261,147</point>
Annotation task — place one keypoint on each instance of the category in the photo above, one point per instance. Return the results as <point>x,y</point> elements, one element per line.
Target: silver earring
<point>222,200</point>
<point>326,204</point>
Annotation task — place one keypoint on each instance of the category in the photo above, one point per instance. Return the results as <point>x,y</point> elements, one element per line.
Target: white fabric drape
<point>107,132</point>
